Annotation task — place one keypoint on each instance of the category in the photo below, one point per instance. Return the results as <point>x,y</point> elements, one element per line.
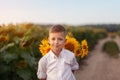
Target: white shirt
<point>57,68</point>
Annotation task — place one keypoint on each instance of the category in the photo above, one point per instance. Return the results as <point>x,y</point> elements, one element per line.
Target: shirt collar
<point>54,56</point>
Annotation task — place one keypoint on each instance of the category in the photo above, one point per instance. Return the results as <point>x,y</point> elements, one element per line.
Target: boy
<point>58,63</point>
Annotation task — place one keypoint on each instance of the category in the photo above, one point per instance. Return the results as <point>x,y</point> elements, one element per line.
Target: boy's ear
<point>65,40</point>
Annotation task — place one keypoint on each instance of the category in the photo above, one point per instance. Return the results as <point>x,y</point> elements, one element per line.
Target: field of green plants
<point>19,47</point>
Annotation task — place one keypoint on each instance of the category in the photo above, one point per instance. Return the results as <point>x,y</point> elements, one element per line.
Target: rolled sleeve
<point>41,73</point>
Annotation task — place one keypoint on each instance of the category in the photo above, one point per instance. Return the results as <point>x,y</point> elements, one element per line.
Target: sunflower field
<point>22,45</point>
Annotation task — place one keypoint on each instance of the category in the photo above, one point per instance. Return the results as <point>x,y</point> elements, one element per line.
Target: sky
<point>75,12</point>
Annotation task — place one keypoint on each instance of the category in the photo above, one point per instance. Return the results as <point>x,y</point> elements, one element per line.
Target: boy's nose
<point>56,41</point>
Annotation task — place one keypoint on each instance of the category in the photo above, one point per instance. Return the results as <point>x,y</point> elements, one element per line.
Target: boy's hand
<point>73,71</point>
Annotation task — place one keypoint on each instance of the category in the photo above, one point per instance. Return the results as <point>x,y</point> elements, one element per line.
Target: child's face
<point>57,40</point>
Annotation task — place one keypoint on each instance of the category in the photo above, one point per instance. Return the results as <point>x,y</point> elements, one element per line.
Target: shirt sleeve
<point>74,64</point>
<point>41,73</point>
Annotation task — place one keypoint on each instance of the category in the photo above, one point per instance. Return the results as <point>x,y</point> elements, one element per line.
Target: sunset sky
<point>60,11</point>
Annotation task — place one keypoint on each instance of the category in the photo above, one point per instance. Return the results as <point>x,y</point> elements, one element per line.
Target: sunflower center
<point>70,47</point>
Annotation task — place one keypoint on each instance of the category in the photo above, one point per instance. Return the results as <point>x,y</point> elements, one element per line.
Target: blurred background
<point>25,23</point>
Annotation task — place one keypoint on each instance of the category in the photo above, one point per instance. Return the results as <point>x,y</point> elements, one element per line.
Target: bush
<point>101,35</point>
<point>111,48</point>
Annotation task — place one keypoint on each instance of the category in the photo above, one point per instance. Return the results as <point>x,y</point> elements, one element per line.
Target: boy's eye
<point>60,38</point>
<point>57,39</point>
<point>53,38</point>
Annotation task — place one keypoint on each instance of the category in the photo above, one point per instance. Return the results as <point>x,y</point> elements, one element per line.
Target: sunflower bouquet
<point>79,49</point>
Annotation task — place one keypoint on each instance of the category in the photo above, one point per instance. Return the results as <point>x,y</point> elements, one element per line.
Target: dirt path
<point>99,66</point>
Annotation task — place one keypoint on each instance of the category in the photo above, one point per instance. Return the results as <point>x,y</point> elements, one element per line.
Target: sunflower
<point>71,44</point>
<point>4,38</point>
<point>44,46</point>
<point>84,48</point>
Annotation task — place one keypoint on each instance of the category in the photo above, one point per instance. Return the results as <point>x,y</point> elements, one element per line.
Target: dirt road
<point>99,66</point>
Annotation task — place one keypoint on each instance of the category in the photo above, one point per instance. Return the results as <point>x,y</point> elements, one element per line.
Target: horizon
<point>73,12</point>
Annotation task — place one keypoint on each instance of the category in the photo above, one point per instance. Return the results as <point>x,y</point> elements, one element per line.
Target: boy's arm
<point>41,73</point>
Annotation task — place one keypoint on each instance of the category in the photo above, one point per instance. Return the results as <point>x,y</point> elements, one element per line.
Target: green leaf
<point>4,68</point>
<point>24,73</point>
<point>8,57</point>
<point>31,60</point>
